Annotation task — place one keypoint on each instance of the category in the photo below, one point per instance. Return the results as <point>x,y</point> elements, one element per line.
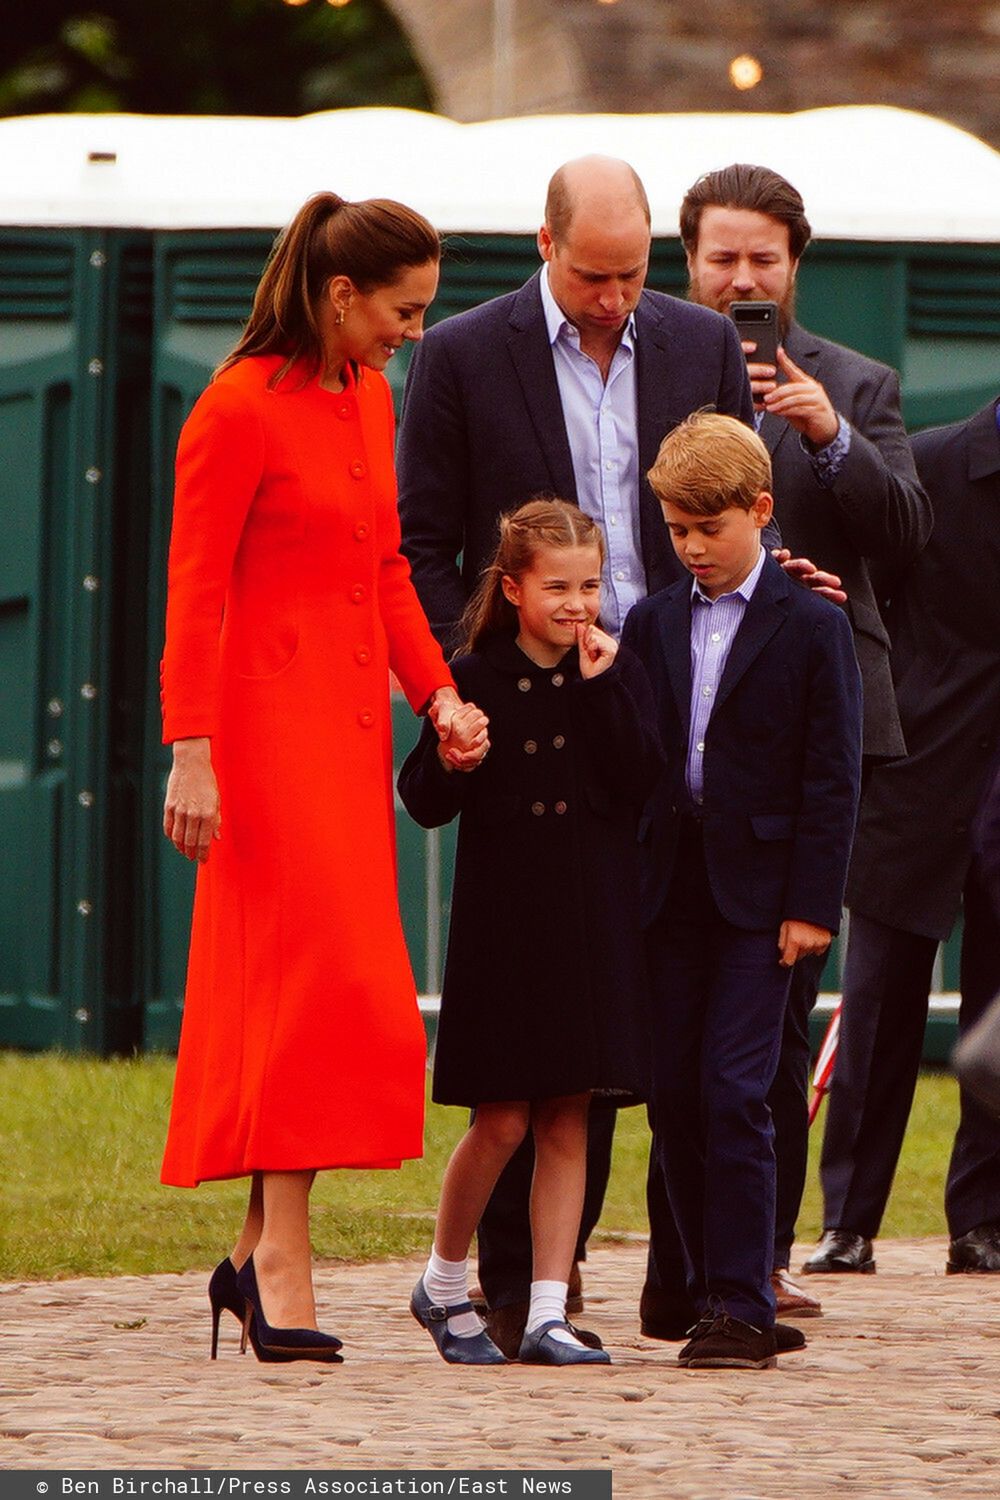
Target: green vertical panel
<point>856,295</point>
<point>53,497</point>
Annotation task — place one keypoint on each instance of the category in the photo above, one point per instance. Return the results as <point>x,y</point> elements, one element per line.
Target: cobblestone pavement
<point>897,1394</point>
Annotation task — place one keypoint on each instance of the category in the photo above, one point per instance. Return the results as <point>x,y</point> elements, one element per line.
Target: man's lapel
<point>531,356</point>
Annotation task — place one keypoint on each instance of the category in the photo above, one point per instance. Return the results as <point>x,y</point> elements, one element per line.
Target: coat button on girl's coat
<point>538,808</point>
<point>530,746</point>
<point>524,683</point>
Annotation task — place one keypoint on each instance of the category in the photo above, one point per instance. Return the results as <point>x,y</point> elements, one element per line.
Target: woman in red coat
<point>288,602</point>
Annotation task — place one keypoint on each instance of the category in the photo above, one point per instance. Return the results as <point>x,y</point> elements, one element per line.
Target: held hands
<point>800,939</point>
<point>191,812</point>
<point>801,400</point>
<point>597,650</point>
<point>462,730</point>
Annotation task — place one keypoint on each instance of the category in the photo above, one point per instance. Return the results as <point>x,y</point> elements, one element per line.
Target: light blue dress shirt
<point>602,427</point>
<point>714,623</point>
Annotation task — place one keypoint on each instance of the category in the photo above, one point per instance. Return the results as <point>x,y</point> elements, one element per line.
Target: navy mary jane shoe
<point>477,1349</point>
<point>280,1345</point>
<point>538,1348</point>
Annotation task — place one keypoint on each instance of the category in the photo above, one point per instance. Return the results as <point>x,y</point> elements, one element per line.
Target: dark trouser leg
<point>719,997</point>
<point>504,1233</point>
<point>972,1195</point>
<point>887,979</point>
<point>788,1102</point>
<point>665,1301</point>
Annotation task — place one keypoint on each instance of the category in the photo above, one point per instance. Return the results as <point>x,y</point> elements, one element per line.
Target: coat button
<point>560,808</point>
<point>559,741</point>
<point>538,808</point>
<point>530,746</point>
<point>524,683</point>
<point>366,718</point>
<point>343,411</point>
<point>358,470</point>
<point>362,655</point>
<point>361,531</point>
<point>557,679</point>
<point>359,594</point>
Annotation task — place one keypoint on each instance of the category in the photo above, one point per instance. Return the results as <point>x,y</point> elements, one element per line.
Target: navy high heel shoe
<point>477,1349</point>
<point>280,1345</point>
<point>224,1296</point>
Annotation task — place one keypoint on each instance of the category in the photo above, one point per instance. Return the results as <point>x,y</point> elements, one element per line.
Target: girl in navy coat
<point>543,1001</point>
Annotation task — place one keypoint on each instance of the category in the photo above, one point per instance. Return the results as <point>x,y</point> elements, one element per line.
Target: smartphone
<point>758,321</point>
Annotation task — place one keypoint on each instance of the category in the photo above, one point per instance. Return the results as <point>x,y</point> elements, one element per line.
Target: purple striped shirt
<point>714,623</point>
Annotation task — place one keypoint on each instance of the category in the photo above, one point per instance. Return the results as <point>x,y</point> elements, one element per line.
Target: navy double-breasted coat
<point>544,990</point>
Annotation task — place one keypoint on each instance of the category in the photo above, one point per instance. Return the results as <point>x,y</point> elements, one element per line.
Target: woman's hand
<point>597,650</point>
<point>191,812</point>
<point>467,741</point>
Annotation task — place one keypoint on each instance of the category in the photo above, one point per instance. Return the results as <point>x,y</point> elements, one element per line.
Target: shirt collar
<point>745,590</point>
<point>559,326</point>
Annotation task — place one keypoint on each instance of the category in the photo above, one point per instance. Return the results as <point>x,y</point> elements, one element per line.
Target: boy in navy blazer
<point>747,841</point>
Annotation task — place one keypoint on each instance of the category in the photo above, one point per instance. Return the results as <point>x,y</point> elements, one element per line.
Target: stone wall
<point>634,55</point>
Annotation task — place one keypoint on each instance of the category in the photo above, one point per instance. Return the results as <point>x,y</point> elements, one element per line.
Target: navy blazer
<point>782,758</point>
<point>482,430</point>
<point>914,842</point>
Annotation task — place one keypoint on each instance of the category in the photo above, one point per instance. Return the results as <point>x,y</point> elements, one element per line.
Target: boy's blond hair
<point>709,463</point>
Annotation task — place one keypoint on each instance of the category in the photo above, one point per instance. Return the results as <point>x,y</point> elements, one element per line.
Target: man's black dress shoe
<point>979,1250</point>
<point>840,1250</point>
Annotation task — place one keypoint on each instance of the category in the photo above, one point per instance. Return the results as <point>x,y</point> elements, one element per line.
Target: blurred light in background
<point>745,72</point>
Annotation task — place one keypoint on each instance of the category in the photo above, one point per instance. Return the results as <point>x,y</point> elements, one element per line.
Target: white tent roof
<point>868,173</point>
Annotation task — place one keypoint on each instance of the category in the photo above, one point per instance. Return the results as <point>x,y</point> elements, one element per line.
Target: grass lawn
<point>80,1143</point>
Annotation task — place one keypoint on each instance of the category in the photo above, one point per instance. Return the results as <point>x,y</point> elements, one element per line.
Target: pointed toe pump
<point>224,1296</point>
<point>280,1345</point>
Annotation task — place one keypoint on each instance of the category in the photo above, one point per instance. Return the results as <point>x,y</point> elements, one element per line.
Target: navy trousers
<point>887,980</point>
<point>719,1000</point>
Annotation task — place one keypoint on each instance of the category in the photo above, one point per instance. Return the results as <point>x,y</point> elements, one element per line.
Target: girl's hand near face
<point>597,650</point>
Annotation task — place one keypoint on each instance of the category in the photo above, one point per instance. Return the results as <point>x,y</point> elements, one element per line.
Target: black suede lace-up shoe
<point>730,1344</point>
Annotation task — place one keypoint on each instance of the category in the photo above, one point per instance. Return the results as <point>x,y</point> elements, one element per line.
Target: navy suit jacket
<point>482,430</point>
<point>914,842</point>
<point>782,759</point>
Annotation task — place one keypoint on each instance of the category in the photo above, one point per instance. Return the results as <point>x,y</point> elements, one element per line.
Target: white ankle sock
<point>548,1301</point>
<point>447,1283</point>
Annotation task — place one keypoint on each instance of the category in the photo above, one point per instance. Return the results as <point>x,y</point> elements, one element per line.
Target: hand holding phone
<point>757,323</point>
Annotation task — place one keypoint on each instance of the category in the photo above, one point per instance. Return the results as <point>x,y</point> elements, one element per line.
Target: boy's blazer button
<point>560,808</point>
<point>557,679</point>
<point>559,741</point>
<point>538,808</point>
<point>530,746</point>
<point>524,683</point>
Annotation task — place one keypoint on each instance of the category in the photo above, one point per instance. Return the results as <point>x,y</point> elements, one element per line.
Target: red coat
<point>301,1044</point>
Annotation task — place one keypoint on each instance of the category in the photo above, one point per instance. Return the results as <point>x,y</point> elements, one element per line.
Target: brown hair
<point>560,200</point>
<point>370,242</point>
<point>709,463</point>
<point>755,188</point>
<point>544,522</point>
